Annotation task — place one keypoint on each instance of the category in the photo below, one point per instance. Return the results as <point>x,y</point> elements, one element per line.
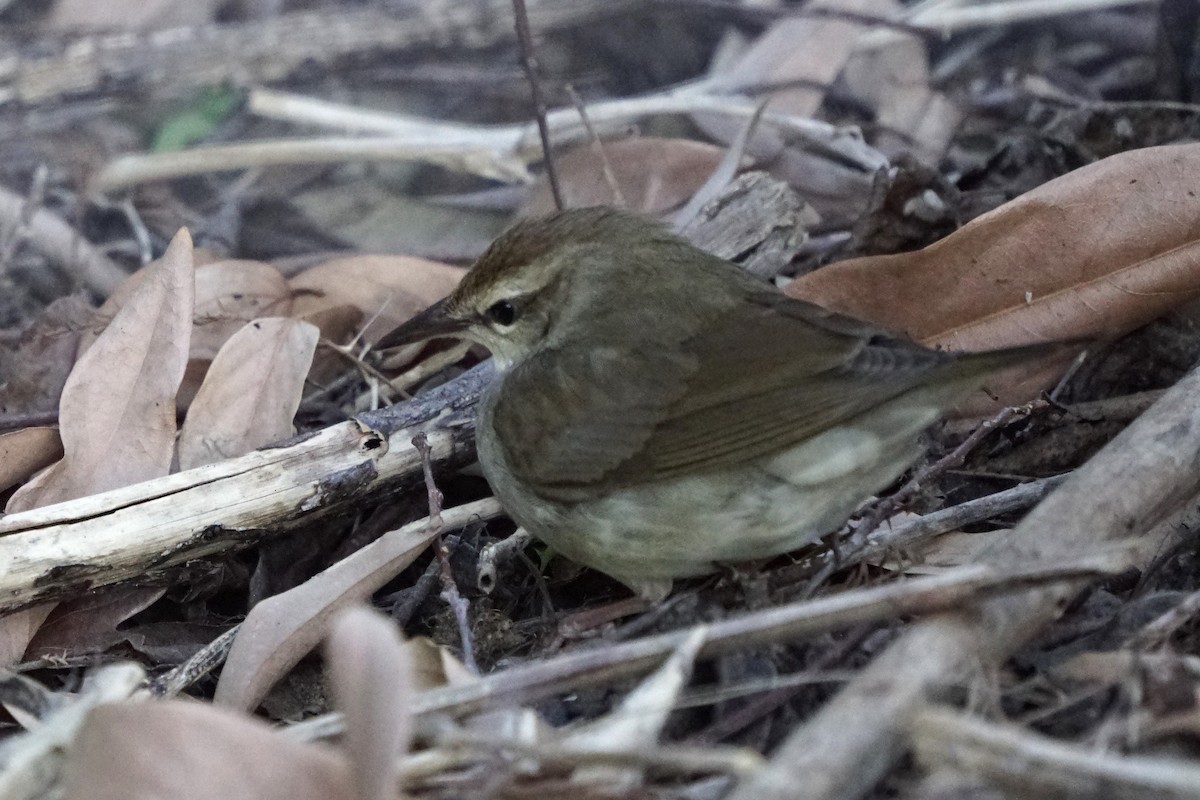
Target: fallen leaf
<point>654,175</point>
<point>88,624</point>
<point>228,295</point>
<point>370,673</point>
<point>282,629</point>
<point>387,289</point>
<point>1097,252</point>
<point>194,751</point>
<point>251,392</point>
<point>117,414</point>
<point>24,452</point>
<point>18,628</point>
<point>36,371</point>
<point>638,721</point>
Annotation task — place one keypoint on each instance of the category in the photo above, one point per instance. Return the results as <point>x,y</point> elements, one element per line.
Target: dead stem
<point>458,604</point>
<point>530,65</point>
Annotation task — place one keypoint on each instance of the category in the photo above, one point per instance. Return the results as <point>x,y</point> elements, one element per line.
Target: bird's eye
<point>502,312</point>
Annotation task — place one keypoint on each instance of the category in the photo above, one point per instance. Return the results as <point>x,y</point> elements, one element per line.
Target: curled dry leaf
<point>433,665</point>
<point>282,629</point>
<point>654,175</point>
<point>251,392</point>
<point>370,672</point>
<point>193,751</point>
<point>229,293</point>
<point>889,73</point>
<point>804,55</point>
<point>1095,253</point>
<point>117,414</point>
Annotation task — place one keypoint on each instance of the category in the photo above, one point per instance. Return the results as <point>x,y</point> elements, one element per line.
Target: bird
<point>657,412</point>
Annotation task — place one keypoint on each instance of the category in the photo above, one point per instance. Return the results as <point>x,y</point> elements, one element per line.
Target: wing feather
<point>763,376</point>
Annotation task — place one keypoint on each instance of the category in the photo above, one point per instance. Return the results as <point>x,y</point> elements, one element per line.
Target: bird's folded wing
<point>758,379</point>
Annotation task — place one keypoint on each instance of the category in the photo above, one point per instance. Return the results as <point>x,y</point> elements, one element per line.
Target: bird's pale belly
<point>647,535</point>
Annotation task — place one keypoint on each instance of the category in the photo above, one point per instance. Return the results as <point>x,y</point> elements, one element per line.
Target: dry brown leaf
<point>231,293</point>
<point>387,289</point>
<point>89,624</point>
<point>24,452</point>
<point>655,175</point>
<point>44,356</point>
<point>1097,252</point>
<point>370,673</point>
<point>117,415</point>
<point>251,392</point>
<point>336,323</point>
<point>18,628</point>
<point>282,629</point>
<point>193,751</point>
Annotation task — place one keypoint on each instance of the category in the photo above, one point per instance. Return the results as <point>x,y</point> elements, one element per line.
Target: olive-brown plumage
<point>658,411</point>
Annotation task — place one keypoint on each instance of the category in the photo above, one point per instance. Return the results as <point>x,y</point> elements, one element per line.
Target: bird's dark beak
<point>432,322</point>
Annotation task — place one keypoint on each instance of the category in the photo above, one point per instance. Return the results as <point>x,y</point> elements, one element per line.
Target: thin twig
<point>51,235</point>
<point>450,593</point>
<point>1159,630</point>
<point>598,146</point>
<point>407,601</point>
<point>202,662</point>
<point>530,65</point>
<point>951,590</point>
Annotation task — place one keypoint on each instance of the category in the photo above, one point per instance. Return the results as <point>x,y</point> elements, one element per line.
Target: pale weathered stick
<point>1031,765</point>
<point>1135,482</point>
<point>144,167</point>
<point>51,235</point>
<point>67,548</point>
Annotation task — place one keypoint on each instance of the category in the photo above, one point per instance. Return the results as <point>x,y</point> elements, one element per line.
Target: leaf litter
<point>894,139</point>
